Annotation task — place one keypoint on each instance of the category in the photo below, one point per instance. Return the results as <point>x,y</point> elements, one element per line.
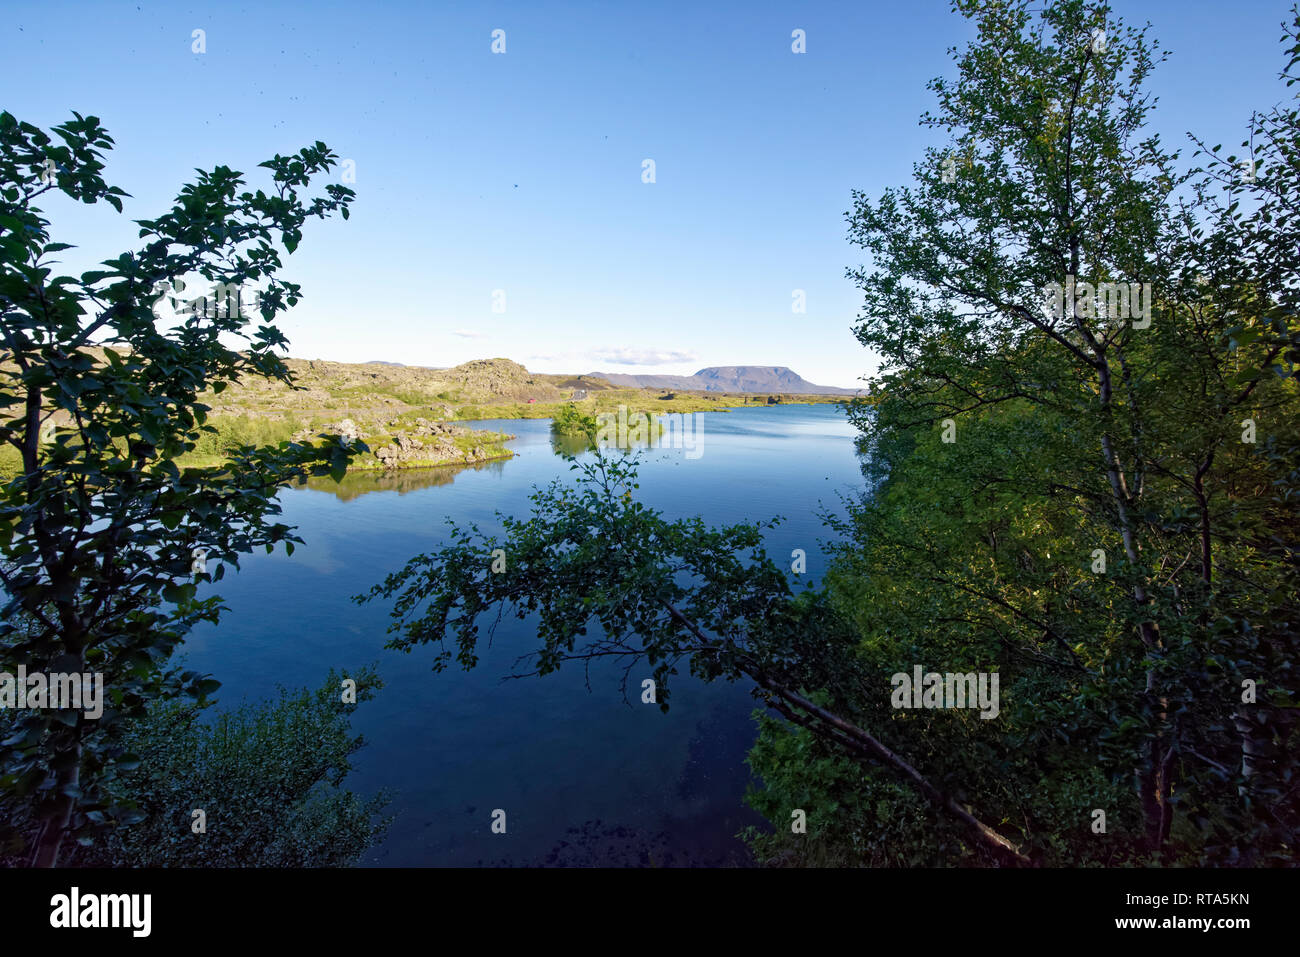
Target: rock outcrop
<point>431,442</point>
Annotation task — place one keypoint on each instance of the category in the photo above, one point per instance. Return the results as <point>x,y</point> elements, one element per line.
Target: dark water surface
<point>583,777</point>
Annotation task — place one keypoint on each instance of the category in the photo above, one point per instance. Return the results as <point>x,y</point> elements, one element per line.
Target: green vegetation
<point>11,463</point>
<point>267,801</point>
<point>228,434</point>
<point>636,400</point>
<point>570,420</point>
<point>491,444</point>
<point>99,526</point>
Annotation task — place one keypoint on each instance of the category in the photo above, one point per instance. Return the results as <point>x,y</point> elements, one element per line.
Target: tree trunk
<point>50,840</point>
<point>1152,774</point>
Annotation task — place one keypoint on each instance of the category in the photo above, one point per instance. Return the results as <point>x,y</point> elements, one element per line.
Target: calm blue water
<point>584,778</point>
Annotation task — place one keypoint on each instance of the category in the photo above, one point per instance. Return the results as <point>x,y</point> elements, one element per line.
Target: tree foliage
<point>99,396</point>
<point>267,778</point>
<point>1109,524</point>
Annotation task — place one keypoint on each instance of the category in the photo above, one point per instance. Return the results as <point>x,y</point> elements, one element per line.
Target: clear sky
<point>522,171</point>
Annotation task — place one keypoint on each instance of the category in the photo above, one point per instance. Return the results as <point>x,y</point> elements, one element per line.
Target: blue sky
<point>523,172</point>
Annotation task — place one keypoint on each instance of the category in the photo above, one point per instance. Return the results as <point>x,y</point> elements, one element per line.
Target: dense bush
<point>268,776</point>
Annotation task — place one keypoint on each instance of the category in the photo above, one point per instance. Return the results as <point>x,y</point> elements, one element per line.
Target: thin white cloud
<point>468,333</point>
<point>624,356</point>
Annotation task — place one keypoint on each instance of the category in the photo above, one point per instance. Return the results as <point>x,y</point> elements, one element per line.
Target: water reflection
<point>358,482</point>
<point>571,444</point>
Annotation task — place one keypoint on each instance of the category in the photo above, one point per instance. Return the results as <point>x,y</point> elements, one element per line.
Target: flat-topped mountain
<point>729,379</point>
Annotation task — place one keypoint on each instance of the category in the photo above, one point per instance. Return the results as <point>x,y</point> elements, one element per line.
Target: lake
<point>584,778</point>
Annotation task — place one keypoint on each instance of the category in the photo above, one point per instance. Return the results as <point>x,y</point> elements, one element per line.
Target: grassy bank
<point>636,400</point>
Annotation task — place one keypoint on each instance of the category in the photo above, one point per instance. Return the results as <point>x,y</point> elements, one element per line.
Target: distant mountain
<point>728,379</point>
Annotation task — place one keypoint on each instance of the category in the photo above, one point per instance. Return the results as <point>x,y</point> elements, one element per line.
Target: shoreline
<point>549,414</point>
<point>412,467</point>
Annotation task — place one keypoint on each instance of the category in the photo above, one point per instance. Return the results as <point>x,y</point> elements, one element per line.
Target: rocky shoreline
<point>422,464</point>
<point>424,444</point>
